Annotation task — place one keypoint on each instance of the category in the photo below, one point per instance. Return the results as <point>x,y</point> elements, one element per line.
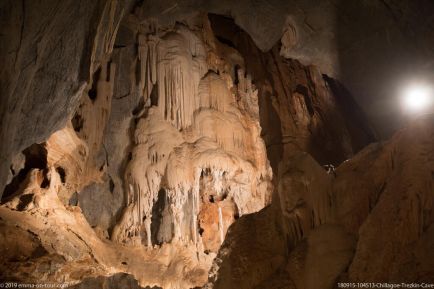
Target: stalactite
<point>197,126</point>
<point>247,93</point>
<point>143,57</point>
<point>147,54</point>
<point>179,71</point>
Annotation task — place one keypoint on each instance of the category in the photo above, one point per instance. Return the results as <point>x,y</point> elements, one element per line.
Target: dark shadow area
<point>360,130</point>
<point>92,93</point>
<point>154,95</point>
<point>317,123</point>
<point>62,174</point>
<point>383,45</point>
<point>157,216</point>
<point>225,41</point>
<point>116,281</point>
<point>24,201</point>
<point>77,121</point>
<point>35,158</point>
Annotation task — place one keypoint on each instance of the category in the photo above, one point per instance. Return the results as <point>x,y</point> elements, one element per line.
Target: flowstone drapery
<point>198,141</point>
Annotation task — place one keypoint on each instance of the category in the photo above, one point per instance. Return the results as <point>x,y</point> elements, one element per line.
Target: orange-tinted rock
<point>164,165</point>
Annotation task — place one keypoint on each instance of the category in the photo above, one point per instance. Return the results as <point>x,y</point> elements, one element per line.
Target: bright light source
<point>417,98</point>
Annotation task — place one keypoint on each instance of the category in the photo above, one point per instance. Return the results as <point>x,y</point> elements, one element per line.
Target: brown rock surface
<point>155,164</point>
<point>300,109</point>
<point>49,51</point>
<point>191,163</point>
<point>382,198</point>
<point>401,210</point>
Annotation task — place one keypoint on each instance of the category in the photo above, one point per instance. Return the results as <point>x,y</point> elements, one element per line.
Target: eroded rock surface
<point>189,150</point>
<point>368,221</point>
<point>189,162</point>
<point>49,51</point>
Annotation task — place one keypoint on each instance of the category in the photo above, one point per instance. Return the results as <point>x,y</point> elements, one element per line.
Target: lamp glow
<point>417,98</point>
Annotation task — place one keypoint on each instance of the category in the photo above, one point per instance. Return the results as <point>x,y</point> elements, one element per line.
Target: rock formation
<point>50,52</point>
<point>194,160</point>
<point>197,142</point>
<point>299,108</point>
<point>187,153</point>
<point>356,225</point>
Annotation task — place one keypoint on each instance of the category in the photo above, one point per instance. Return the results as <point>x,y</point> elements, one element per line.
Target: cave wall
<point>162,153</point>
<point>183,136</point>
<point>50,51</point>
<point>164,149</point>
<point>298,24</point>
<point>373,47</point>
<point>323,35</point>
<point>368,221</point>
<point>300,108</point>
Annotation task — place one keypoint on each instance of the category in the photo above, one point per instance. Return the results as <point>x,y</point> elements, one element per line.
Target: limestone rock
<point>112,282</point>
<point>58,48</point>
<point>403,211</point>
<point>162,154</point>
<point>198,126</point>
<point>299,108</point>
<point>181,148</point>
<point>360,200</point>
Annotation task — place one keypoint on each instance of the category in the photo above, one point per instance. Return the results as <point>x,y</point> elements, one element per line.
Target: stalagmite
<point>195,205</point>
<point>142,158</point>
<point>148,229</point>
<point>221,225</point>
